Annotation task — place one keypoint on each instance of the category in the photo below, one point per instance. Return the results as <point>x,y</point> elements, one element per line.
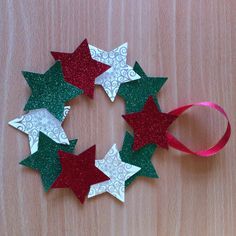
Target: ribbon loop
<point>175,143</point>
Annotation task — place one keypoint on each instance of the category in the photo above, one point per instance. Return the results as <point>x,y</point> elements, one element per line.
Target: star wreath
<point>77,73</point>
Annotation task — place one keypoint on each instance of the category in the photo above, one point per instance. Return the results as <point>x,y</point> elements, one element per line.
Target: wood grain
<point>193,43</point>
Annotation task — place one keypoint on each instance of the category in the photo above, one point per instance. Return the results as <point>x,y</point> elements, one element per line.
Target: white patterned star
<point>117,171</point>
<point>41,120</point>
<point>119,72</point>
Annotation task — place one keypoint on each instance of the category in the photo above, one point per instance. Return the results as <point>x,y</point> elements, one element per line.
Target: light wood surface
<point>190,41</point>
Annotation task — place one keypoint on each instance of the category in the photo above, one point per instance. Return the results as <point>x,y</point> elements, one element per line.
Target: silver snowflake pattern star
<point>41,120</point>
<point>117,171</point>
<point>119,72</point>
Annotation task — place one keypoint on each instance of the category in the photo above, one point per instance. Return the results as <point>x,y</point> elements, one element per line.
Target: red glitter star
<point>80,69</point>
<point>79,172</point>
<point>149,125</point>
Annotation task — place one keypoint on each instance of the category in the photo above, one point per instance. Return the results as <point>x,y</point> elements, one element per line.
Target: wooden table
<point>192,43</point>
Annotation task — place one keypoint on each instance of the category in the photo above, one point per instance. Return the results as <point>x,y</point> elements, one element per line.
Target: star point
<point>79,172</point>
<point>119,72</point>
<point>137,92</point>
<point>149,125</point>
<point>46,159</point>
<point>80,69</point>
<point>49,90</point>
<point>118,172</point>
<point>41,120</point>
<point>140,158</point>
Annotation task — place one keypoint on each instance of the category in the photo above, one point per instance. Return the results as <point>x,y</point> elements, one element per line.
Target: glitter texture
<point>140,158</point>
<point>46,159</point>
<point>79,172</point>
<point>50,91</point>
<point>80,69</point>
<point>117,170</point>
<point>149,125</point>
<point>135,93</point>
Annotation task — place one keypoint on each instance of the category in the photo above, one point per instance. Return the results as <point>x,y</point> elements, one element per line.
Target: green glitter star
<point>46,159</point>
<point>50,90</point>
<point>140,158</point>
<point>136,93</point>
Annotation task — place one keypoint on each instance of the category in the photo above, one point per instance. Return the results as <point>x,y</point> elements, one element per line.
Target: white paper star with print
<point>119,72</point>
<point>117,171</point>
<point>41,120</point>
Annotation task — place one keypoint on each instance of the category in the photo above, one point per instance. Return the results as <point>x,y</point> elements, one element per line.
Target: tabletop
<point>190,42</point>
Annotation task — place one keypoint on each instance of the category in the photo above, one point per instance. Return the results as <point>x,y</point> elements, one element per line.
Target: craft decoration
<point>136,93</point>
<point>150,125</point>
<point>119,72</point>
<point>147,130</point>
<point>80,69</point>
<point>118,172</point>
<point>41,120</point>
<point>79,172</point>
<point>46,160</point>
<point>77,73</point>
<point>140,158</point>
<point>50,91</point>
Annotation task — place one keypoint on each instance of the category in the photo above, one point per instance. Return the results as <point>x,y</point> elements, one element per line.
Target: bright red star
<point>149,125</point>
<point>79,172</point>
<point>80,69</point>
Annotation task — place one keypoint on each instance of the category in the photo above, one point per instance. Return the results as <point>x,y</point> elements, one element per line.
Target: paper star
<point>41,120</point>
<point>80,69</point>
<point>46,159</point>
<point>140,158</point>
<point>149,125</point>
<point>79,172</point>
<point>119,72</point>
<point>50,91</point>
<point>136,93</point>
<point>118,172</point>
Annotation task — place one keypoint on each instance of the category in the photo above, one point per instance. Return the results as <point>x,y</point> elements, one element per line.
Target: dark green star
<point>49,90</point>
<point>136,93</point>
<point>46,159</point>
<point>140,158</point>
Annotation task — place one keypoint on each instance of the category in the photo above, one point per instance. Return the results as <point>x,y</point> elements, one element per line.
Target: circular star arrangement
<point>77,73</point>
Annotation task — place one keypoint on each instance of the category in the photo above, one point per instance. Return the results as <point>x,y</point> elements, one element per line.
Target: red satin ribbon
<point>175,143</point>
